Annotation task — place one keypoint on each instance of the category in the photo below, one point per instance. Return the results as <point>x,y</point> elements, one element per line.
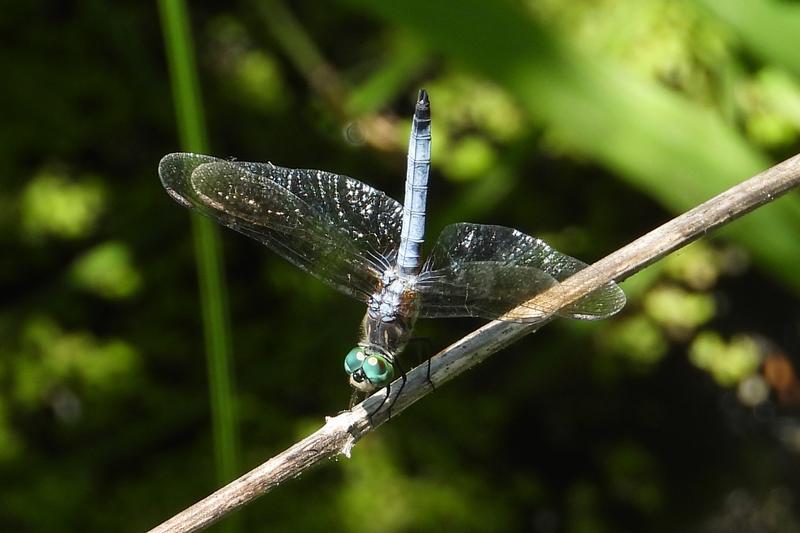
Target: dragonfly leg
<point>404,378</point>
<point>353,399</point>
<point>428,375</point>
<point>426,342</point>
<point>375,411</point>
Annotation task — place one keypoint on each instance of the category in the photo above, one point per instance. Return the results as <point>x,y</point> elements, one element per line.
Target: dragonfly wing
<point>485,271</point>
<point>483,289</point>
<point>338,229</point>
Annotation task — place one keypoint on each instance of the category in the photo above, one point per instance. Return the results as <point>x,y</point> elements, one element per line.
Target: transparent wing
<point>485,271</point>
<point>335,227</point>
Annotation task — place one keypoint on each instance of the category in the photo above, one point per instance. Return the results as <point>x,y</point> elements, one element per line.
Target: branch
<point>341,432</point>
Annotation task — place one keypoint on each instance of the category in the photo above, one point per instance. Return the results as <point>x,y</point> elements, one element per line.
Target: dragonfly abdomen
<point>419,163</point>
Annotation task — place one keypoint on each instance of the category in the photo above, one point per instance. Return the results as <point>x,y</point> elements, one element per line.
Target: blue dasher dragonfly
<point>363,243</point>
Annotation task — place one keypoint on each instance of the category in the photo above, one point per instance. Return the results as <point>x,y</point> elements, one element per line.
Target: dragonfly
<point>368,246</point>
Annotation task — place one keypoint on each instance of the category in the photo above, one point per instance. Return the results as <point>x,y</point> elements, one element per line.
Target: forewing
<point>334,227</point>
<point>485,271</point>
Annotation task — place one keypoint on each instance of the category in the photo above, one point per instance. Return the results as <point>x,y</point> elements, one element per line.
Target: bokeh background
<point>586,123</point>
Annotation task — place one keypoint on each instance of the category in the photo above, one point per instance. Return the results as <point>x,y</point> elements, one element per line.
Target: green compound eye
<point>378,370</point>
<point>354,359</point>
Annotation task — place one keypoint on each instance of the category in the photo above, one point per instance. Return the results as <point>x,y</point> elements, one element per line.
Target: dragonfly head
<point>368,370</point>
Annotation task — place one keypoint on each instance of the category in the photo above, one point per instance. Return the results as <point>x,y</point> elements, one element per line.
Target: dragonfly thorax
<point>395,296</point>
<point>391,312</point>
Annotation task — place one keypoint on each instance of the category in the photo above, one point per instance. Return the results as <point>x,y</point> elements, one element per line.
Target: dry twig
<point>341,432</point>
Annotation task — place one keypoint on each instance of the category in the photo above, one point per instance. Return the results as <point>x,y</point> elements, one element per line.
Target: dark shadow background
<point>584,123</point>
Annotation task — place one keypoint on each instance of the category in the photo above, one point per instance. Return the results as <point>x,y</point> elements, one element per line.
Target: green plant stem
<point>213,294</point>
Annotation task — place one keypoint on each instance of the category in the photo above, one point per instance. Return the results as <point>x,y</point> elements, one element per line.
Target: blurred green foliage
<point>51,358</point>
<point>54,205</point>
<point>106,270</point>
<point>729,363</point>
<point>586,123</point>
